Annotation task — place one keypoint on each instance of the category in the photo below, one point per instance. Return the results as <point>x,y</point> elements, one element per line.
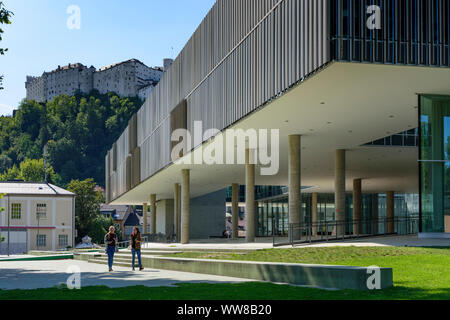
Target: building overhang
<point>344,106</point>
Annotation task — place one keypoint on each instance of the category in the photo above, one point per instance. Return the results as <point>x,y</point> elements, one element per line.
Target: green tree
<point>87,205</point>
<point>5,16</point>
<point>78,131</point>
<point>31,170</point>
<point>99,227</point>
<point>5,161</point>
<point>11,174</point>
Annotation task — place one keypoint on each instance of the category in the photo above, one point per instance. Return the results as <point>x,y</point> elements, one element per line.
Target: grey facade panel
<point>243,54</point>
<point>208,220</point>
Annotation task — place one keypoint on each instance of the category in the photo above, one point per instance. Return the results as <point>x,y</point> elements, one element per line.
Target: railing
<point>324,231</point>
<point>162,238</point>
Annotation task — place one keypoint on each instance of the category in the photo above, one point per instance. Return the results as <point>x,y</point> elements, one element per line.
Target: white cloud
<point>6,110</point>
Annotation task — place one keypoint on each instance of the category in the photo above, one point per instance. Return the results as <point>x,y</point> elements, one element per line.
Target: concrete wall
<point>164,217</point>
<point>323,276</point>
<point>208,215</point>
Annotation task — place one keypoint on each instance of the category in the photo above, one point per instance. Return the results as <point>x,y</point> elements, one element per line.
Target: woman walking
<point>111,242</point>
<point>136,241</point>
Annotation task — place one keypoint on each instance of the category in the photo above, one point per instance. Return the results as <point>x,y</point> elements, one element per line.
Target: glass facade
<point>273,213</point>
<point>434,162</point>
<point>408,138</point>
<point>410,32</point>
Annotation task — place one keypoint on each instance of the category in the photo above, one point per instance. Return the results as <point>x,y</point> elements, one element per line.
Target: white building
<point>63,80</point>
<point>144,92</point>
<point>126,79</point>
<point>40,216</point>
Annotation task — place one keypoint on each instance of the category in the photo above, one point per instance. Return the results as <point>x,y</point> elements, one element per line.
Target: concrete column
<point>339,190</point>
<point>235,210</point>
<point>176,211</point>
<point>294,172</point>
<point>357,206</point>
<point>314,213</point>
<point>390,211</point>
<point>145,216</point>
<point>153,214</point>
<point>179,214</point>
<point>249,197</point>
<point>185,207</point>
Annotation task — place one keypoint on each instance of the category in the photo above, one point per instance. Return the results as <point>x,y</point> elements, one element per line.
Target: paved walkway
<point>48,274</point>
<point>266,243</point>
<point>219,244</point>
<point>18,256</point>
<point>394,241</point>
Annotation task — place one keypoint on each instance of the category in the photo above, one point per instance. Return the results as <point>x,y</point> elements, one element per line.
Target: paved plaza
<point>48,274</point>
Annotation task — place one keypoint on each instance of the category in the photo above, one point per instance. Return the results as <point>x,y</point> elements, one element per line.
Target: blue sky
<point>111,31</point>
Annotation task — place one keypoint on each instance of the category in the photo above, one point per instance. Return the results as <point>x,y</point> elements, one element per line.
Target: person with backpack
<point>135,242</point>
<point>111,243</point>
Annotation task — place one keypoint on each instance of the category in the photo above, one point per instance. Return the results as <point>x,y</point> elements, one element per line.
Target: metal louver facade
<point>246,53</point>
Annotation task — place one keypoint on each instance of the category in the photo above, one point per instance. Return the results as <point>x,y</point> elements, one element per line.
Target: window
<point>41,211</point>
<point>16,211</point>
<point>41,240</point>
<point>63,240</point>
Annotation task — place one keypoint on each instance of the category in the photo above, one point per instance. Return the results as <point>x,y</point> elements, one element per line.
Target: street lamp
<point>38,216</point>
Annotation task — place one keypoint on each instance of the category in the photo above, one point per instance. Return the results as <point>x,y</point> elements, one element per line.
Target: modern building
<point>358,94</point>
<point>37,216</point>
<point>127,79</point>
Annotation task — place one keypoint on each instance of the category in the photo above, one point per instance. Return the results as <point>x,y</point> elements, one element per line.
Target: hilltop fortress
<point>128,79</point>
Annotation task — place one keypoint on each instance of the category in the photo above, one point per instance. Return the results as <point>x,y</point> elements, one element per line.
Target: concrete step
<point>115,259</point>
<point>154,252</point>
<point>119,264</point>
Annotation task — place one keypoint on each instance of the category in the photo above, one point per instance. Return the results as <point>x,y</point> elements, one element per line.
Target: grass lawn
<point>419,273</point>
